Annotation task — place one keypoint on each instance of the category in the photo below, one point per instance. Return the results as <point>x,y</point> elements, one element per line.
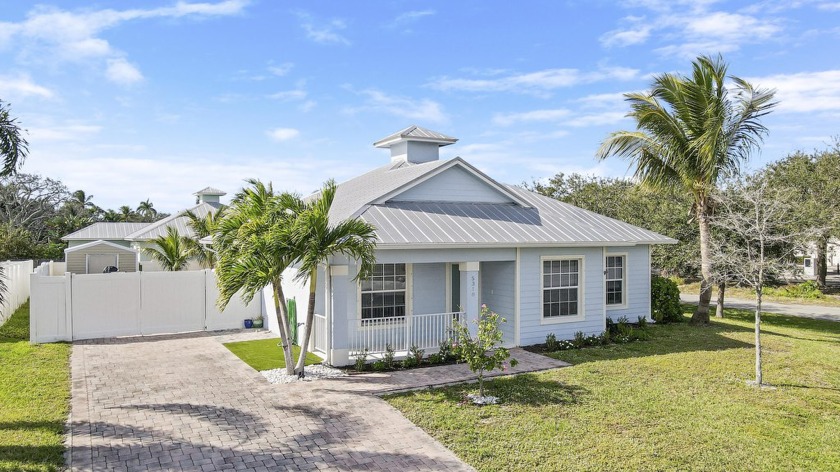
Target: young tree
<point>172,251</point>
<point>758,244</point>
<point>482,351</point>
<point>254,246</point>
<point>317,239</point>
<point>691,133</point>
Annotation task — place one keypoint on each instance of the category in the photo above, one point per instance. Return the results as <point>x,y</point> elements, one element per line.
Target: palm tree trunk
<point>281,312</point>
<point>820,264</point>
<point>701,315</point>
<point>721,295</point>
<point>310,318</point>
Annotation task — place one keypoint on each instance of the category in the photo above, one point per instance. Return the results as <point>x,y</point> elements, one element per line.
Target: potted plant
<point>258,322</point>
<point>249,323</point>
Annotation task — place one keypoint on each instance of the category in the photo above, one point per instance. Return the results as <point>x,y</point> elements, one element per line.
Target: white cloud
<point>307,106</point>
<point>804,92</point>
<point>64,133</point>
<point>404,107</point>
<point>122,72</point>
<point>537,82</point>
<point>22,86</point>
<point>50,34</point>
<point>409,17</point>
<point>288,95</point>
<point>283,134</point>
<point>597,119</point>
<point>628,37</point>
<point>282,69</point>
<point>829,6</point>
<point>531,116</point>
<point>326,32</point>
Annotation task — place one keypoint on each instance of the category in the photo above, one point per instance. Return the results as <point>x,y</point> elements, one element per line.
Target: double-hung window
<point>383,294</point>
<point>615,280</point>
<point>561,287</point>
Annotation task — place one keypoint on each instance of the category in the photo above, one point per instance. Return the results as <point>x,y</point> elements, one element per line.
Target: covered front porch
<point>408,303</point>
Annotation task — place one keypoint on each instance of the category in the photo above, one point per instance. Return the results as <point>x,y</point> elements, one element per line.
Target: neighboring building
<point>832,257</point>
<point>97,242</point>
<point>450,238</point>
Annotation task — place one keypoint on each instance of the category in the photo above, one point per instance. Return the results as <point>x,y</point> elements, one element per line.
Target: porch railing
<point>319,334</point>
<point>425,331</point>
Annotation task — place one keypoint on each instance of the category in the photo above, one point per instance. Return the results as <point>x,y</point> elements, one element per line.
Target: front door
<point>455,288</point>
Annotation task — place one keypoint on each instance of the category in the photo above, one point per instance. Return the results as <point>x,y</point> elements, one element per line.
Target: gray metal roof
<point>179,221</point>
<point>548,222</point>
<point>416,133</point>
<point>540,221</point>
<point>210,191</point>
<point>112,231</point>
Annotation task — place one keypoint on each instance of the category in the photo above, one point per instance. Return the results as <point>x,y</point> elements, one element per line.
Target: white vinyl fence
<point>85,306</point>
<point>16,278</point>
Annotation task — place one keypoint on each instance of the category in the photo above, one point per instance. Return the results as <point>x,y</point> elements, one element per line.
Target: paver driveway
<point>186,403</point>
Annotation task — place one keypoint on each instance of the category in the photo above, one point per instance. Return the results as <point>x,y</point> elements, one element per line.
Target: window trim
<point>409,301</point>
<point>581,316</point>
<point>625,293</point>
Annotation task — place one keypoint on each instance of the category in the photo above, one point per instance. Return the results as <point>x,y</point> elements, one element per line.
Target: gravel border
<point>313,373</point>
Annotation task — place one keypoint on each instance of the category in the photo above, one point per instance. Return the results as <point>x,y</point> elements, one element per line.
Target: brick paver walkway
<point>187,403</point>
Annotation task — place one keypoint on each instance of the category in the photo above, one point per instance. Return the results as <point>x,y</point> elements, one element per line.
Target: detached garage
<point>97,256</point>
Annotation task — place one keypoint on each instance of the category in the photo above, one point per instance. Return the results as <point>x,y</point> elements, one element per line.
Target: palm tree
<point>690,134</point>
<point>171,251</point>
<point>254,245</point>
<point>317,240</point>
<point>146,209</point>
<point>111,216</point>
<point>13,146</point>
<point>126,213</point>
<point>203,227</point>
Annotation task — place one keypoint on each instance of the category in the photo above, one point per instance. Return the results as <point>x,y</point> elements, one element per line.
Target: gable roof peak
<point>415,133</point>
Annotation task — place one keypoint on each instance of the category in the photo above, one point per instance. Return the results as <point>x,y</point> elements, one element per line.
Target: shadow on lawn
<point>29,456</point>
<point>521,389</point>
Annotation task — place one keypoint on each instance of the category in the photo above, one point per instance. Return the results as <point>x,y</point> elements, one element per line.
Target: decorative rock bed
<point>313,372</point>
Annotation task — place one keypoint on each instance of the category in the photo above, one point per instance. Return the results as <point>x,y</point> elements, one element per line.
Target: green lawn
<point>265,354</point>
<point>679,401</point>
<point>34,398</point>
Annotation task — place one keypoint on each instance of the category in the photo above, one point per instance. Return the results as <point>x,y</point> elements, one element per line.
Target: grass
<point>265,354</point>
<point>679,401</point>
<point>749,294</point>
<point>34,398</point>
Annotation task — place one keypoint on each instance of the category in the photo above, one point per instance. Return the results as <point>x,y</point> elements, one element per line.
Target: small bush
<point>677,279</point>
<point>379,366</point>
<point>665,300</point>
<point>580,340</point>
<point>361,360</point>
<point>388,357</point>
<point>445,351</point>
<point>436,358</point>
<point>807,290</point>
<point>416,353</point>
<point>409,363</point>
<point>605,338</point>
<point>642,322</point>
<point>551,343</point>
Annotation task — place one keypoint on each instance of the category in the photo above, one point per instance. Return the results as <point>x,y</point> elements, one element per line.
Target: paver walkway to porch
<point>187,403</point>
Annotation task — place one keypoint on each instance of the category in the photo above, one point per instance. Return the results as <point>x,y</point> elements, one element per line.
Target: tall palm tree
<point>111,216</point>
<point>146,209</point>
<point>171,251</point>
<point>692,132</point>
<point>317,240</point>
<point>203,227</point>
<point>126,213</point>
<point>254,245</point>
<point>13,146</point>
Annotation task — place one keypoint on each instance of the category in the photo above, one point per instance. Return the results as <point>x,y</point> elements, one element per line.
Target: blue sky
<point>157,99</point>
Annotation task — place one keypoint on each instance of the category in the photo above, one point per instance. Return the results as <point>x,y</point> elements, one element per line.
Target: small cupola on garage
<point>209,195</point>
<point>415,145</point>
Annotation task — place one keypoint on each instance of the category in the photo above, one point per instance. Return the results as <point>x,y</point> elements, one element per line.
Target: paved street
<point>831,313</point>
<point>187,403</point>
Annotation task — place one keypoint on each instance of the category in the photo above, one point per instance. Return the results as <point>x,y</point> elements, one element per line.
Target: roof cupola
<point>415,145</point>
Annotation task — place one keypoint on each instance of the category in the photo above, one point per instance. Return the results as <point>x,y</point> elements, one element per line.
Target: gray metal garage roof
<point>112,231</point>
<point>179,221</point>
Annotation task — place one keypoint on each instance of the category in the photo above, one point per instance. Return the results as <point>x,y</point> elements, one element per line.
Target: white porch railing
<point>319,334</point>
<point>424,331</point>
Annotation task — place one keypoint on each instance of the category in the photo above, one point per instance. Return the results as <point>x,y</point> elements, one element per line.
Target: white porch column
<point>470,294</point>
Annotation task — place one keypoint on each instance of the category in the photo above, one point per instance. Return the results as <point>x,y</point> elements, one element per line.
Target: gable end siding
<point>452,185</point>
<point>76,261</point>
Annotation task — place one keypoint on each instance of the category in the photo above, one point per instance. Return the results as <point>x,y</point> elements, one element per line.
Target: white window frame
<point>409,300</point>
<point>624,291</point>
<point>581,290</point>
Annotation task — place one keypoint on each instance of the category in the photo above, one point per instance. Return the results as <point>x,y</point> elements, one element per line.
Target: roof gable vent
<point>415,145</point>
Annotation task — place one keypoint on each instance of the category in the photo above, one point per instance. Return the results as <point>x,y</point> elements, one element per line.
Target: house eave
<point>443,245</point>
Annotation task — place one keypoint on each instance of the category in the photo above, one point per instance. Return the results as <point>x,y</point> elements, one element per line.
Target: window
<point>615,280</point>
<point>560,287</point>
<point>383,294</point>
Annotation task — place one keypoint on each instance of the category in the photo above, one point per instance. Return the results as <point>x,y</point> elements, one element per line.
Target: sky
<point>157,99</point>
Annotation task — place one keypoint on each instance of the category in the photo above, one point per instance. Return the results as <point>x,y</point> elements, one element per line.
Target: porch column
<point>470,294</point>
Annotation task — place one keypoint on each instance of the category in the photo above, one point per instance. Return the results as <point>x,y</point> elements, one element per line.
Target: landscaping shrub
<point>551,343</point>
<point>416,353</point>
<point>361,360</point>
<point>445,351</point>
<point>580,340</point>
<point>665,300</point>
<point>642,322</point>
<point>379,366</point>
<point>388,357</point>
<point>436,358</point>
<point>808,290</point>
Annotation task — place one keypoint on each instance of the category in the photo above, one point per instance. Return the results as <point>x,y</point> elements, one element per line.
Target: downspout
<point>517,300</point>
<point>604,284</point>
<point>328,313</point>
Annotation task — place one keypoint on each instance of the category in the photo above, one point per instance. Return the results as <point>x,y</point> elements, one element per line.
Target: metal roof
<point>210,191</point>
<point>416,133</point>
<point>105,231</point>
<point>179,221</point>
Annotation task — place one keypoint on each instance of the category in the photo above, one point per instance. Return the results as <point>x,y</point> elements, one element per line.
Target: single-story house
<point>98,241</point>
<point>451,238</point>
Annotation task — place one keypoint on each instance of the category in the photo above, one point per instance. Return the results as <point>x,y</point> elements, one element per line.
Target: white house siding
<point>498,281</point>
<point>532,331</point>
<point>637,283</point>
<point>428,288</point>
<point>452,185</point>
